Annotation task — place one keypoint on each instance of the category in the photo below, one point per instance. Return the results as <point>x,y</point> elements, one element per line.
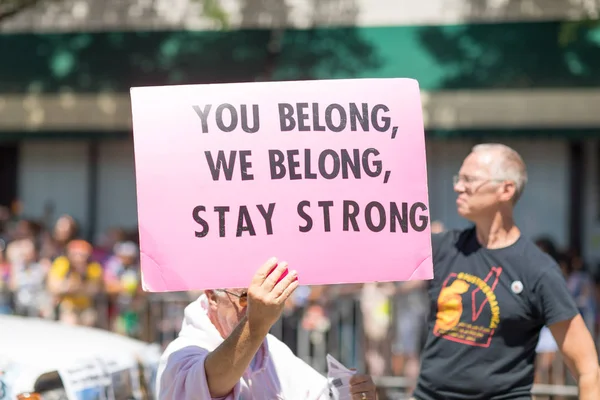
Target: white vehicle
<point>48,360</point>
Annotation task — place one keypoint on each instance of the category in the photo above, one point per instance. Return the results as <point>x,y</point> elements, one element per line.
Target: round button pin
<point>516,287</point>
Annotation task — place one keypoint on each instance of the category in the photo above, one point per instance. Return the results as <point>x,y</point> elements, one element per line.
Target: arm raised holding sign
<point>224,350</point>
<point>259,309</point>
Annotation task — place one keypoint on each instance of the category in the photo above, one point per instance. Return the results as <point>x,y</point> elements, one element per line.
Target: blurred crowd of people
<point>52,272</point>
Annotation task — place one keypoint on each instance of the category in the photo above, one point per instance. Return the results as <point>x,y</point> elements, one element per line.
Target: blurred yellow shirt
<point>60,270</point>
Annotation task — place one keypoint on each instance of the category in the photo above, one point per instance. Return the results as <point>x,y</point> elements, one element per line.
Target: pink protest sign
<point>329,176</point>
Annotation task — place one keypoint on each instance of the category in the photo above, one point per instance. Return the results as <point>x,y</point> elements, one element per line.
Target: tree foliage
<point>10,8</point>
<point>570,30</point>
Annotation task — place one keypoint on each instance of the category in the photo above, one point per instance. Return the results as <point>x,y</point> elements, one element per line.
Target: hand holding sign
<point>329,173</point>
<point>270,288</point>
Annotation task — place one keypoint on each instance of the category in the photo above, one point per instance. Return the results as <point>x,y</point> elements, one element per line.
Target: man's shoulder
<point>537,262</point>
<point>184,345</point>
<point>278,347</point>
<point>451,238</point>
<point>533,266</point>
<point>454,234</point>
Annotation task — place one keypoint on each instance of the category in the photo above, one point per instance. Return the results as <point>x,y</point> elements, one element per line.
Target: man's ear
<point>211,295</point>
<point>508,191</point>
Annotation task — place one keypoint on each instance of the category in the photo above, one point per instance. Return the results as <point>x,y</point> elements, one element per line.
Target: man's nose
<point>459,187</point>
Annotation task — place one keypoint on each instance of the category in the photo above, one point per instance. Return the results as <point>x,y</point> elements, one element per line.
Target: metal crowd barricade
<point>343,340</point>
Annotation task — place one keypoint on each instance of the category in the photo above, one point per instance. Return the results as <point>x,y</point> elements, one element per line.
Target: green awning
<point>476,56</point>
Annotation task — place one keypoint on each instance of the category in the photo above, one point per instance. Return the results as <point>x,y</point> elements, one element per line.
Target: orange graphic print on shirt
<point>450,306</point>
<point>467,308</point>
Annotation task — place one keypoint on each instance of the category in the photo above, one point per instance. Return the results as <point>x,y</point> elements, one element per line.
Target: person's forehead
<point>477,163</point>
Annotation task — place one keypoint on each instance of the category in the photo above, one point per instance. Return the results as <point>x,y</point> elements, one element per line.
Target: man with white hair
<point>492,293</point>
<point>224,350</point>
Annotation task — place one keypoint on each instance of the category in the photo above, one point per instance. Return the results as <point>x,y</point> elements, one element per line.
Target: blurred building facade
<point>511,71</point>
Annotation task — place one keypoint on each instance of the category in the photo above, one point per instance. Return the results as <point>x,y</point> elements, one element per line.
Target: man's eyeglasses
<point>470,179</point>
<point>242,298</point>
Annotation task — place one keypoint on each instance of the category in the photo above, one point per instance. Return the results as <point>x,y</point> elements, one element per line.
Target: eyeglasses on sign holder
<point>243,298</point>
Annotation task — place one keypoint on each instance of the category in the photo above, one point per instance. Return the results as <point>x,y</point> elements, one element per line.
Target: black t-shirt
<point>487,309</point>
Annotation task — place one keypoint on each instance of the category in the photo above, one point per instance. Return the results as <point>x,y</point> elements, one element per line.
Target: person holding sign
<point>225,351</point>
<point>493,291</point>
